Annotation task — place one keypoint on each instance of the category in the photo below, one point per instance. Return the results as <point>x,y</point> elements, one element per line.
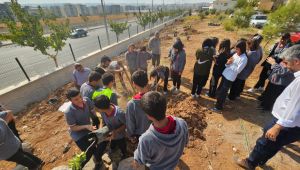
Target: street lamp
<point>105,23</point>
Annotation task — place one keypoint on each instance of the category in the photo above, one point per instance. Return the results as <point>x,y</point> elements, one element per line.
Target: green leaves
<point>118,27</point>
<point>29,31</point>
<point>285,19</point>
<point>143,19</point>
<point>77,160</point>
<point>242,17</point>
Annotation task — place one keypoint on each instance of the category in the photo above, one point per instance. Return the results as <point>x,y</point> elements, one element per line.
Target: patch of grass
<point>228,25</point>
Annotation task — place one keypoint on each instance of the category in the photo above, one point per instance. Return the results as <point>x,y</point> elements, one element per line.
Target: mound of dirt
<point>190,110</point>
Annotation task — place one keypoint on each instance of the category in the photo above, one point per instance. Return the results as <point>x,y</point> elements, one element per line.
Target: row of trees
<point>143,19</point>
<point>29,30</point>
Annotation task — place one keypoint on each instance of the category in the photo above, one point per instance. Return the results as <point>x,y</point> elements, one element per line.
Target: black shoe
<point>98,166</point>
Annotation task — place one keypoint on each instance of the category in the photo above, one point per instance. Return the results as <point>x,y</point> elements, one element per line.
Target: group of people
<point>160,139</point>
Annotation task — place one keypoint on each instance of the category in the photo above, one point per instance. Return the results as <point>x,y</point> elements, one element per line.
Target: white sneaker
<point>173,88</point>
<point>252,90</point>
<point>165,93</point>
<point>176,91</point>
<point>197,96</point>
<point>193,96</point>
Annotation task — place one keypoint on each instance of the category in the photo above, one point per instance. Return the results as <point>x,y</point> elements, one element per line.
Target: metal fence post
<point>22,68</point>
<point>99,42</point>
<point>72,52</point>
<point>129,32</point>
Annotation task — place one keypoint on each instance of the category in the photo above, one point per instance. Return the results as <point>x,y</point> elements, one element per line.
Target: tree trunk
<point>55,61</point>
<point>117,37</point>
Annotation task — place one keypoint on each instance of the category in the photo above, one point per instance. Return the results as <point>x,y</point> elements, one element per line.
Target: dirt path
<point>239,126</point>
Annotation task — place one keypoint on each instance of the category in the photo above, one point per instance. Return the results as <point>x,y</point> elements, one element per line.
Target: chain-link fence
<point>33,64</point>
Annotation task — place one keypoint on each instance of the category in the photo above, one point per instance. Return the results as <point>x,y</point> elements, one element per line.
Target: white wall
<point>222,5</point>
<point>18,98</point>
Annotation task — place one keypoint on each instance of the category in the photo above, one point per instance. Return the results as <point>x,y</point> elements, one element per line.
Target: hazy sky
<point>106,1</point>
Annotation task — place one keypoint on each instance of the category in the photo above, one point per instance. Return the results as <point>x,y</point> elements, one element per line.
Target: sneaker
<point>98,166</point>
<point>243,163</point>
<point>165,93</point>
<point>252,90</point>
<point>193,96</point>
<point>197,96</point>
<point>260,89</point>
<point>173,88</point>
<point>215,110</point>
<point>238,98</point>
<point>176,91</point>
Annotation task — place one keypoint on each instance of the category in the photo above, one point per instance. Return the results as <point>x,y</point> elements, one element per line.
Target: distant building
<point>222,5</point>
<point>94,10</point>
<point>130,8</point>
<point>113,9</point>
<point>57,11</point>
<point>82,10</point>
<point>5,11</point>
<point>70,10</point>
<point>32,10</point>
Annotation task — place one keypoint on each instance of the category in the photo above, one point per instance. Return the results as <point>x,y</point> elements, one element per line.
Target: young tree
<point>143,19</point>
<point>85,19</point>
<point>154,17</point>
<point>285,19</point>
<point>29,31</point>
<point>118,27</point>
<point>161,15</point>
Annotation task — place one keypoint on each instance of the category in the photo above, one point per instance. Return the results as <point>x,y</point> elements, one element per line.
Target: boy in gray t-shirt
<point>114,118</point>
<point>77,116</point>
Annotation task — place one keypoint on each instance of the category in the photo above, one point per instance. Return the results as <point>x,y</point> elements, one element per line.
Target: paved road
<point>37,64</point>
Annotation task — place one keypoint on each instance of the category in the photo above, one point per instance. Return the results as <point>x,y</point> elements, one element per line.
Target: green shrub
<point>201,15</point>
<point>284,19</point>
<point>206,12</point>
<point>221,17</point>
<point>228,25</point>
<point>229,11</point>
<point>242,17</point>
<point>212,11</point>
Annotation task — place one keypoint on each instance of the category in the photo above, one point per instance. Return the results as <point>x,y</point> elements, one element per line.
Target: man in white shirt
<point>285,126</point>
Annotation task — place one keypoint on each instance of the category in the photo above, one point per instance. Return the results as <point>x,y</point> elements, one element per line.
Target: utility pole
<point>105,22</point>
<point>163,5</point>
<point>152,6</point>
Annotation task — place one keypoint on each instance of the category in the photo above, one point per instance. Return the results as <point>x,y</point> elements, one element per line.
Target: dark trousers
<point>121,144</point>
<point>236,89</point>
<point>95,120</point>
<point>270,95</point>
<point>222,93</point>
<point>176,79</point>
<point>26,159</point>
<point>96,150</point>
<point>264,74</point>
<point>155,59</point>
<point>166,80</point>
<point>12,126</point>
<point>265,149</point>
<point>214,84</point>
<point>199,81</point>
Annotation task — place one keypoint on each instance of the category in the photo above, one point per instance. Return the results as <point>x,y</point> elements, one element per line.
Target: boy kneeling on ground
<point>162,145</point>
<point>114,118</point>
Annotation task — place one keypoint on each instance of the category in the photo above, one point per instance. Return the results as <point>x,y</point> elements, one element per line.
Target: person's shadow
<point>182,165</point>
<point>293,155</point>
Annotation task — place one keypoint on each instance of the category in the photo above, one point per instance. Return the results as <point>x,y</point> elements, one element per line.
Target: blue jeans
<point>265,149</point>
